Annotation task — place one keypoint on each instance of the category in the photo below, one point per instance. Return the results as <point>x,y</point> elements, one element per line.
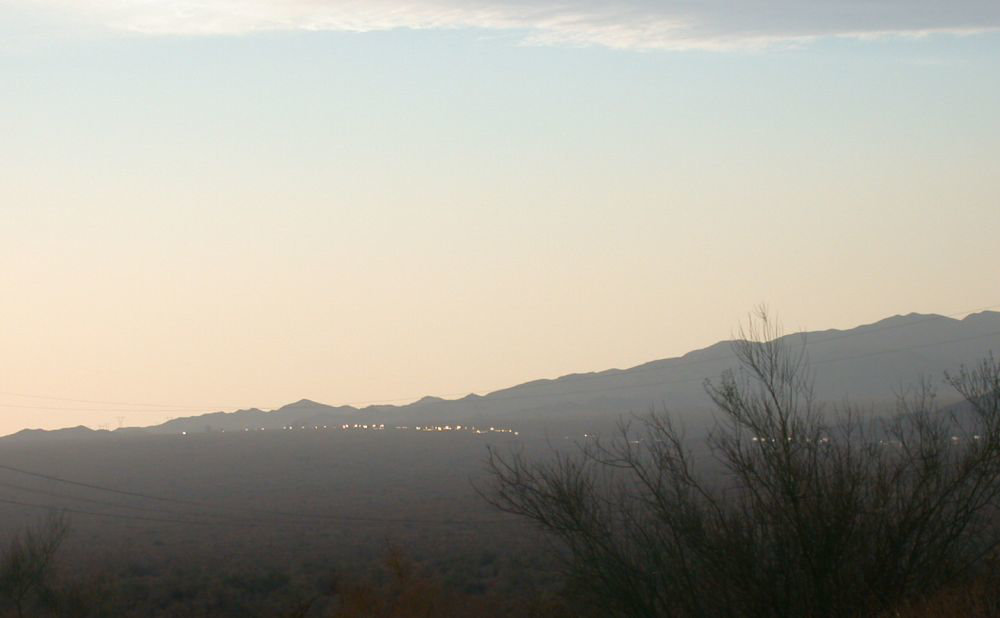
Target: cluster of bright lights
<point>381,427</point>
<point>357,426</point>
<point>825,440</point>
<point>789,439</point>
<point>467,428</point>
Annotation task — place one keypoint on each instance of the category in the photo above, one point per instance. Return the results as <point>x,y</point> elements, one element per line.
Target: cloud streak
<point>621,24</point>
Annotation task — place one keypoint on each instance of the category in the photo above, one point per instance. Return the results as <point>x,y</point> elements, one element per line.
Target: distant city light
<point>381,427</point>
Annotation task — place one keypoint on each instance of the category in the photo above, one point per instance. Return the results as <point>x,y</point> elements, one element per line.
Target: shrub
<point>798,512</point>
<point>27,562</point>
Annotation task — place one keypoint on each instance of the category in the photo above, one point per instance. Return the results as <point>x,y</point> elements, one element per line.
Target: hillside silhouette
<point>867,364</point>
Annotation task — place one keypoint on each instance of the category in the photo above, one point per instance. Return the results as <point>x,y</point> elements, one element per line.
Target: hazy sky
<point>228,203</point>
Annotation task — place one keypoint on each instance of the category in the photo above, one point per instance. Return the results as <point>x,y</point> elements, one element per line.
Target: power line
<point>50,507</point>
<point>272,513</point>
<point>120,492</point>
<point>120,505</point>
<point>258,523</point>
<point>75,409</point>
<point>98,401</point>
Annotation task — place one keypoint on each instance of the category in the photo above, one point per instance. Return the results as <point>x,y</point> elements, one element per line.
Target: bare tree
<point>27,561</point>
<point>793,512</point>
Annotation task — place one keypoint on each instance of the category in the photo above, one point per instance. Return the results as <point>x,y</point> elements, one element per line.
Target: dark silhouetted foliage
<point>27,562</point>
<point>789,511</point>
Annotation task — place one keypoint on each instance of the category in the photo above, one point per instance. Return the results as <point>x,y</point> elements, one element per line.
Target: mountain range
<point>867,365</point>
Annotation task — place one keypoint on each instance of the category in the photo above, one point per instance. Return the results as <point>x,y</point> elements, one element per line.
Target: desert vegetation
<point>788,510</point>
<point>27,564</point>
<point>785,508</point>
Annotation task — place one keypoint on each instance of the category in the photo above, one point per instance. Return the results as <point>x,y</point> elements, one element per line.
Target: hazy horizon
<point>213,207</point>
<point>683,309</point>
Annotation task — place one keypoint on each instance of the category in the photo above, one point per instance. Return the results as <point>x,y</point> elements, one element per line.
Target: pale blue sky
<point>254,217</point>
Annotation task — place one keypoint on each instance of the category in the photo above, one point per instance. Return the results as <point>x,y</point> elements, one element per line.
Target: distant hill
<point>868,365</point>
<point>68,433</point>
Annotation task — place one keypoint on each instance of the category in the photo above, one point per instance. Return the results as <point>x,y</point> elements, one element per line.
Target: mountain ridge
<point>892,351</point>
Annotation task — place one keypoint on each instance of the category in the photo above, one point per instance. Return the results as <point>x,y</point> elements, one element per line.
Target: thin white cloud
<point>625,24</point>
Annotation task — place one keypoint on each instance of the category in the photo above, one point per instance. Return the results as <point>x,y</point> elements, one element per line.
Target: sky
<point>218,204</point>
